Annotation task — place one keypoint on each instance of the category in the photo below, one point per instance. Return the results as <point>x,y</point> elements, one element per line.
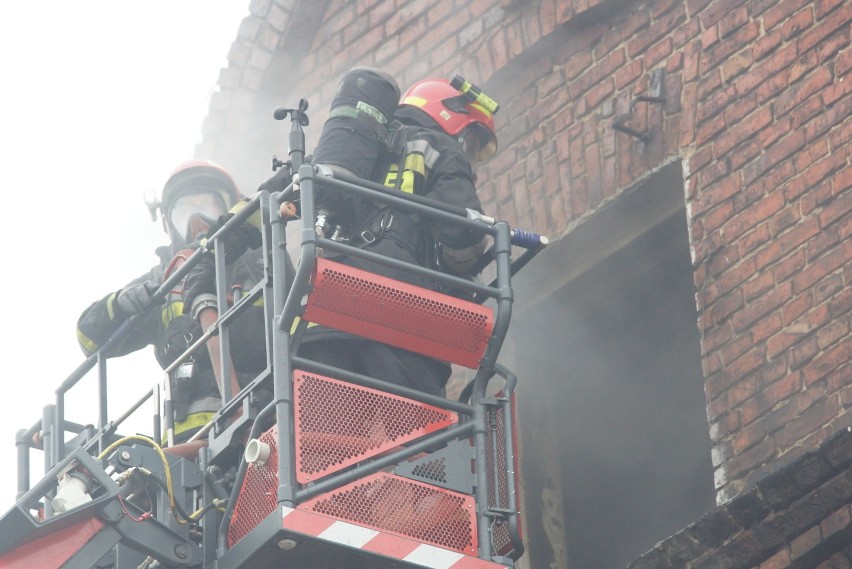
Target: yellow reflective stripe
<point>192,421</point>
<point>415,163</point>
<point>296,321</point>
<point>416,101</point>
<point>481,109</point>
<point>390,179</point>
<point>407,184</point>
<point>171,311</point>
<point>88,345</point>
<point>110,306</point>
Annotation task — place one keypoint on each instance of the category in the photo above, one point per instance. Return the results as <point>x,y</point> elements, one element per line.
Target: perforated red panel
<point>404,507</point>
<point>339,424</point>
<point>498,486</point>
<point>399,314</point>
<point>259,493</point>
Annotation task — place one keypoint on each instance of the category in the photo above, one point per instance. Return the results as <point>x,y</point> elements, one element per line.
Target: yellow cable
<point>159,450</point>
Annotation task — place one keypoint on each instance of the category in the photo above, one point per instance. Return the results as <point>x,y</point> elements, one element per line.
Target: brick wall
<point>797,517</point>
<point>756,107</point>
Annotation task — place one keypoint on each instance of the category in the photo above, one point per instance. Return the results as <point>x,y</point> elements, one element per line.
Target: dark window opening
<point>610,382</point>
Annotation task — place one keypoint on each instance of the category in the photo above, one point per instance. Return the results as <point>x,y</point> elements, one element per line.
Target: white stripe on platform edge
<point>285,511</point>
<point>348,534</point>
<point>434,557</point>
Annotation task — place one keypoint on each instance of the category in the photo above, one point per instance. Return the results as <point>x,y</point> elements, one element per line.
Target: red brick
<point>721,51</point>
<point>762,306</point>
<point>695,6</point>
<point>798,22</point>
<point>732,21</point>
<point>598,93</point>
<point>835,358</point>
<point>686,33</point>
<point>658,28</point>
<point>749,437</point>
<point>772,132</point>
<point>823,7</point>
<point>779,13</point>
<point>716,217</point>
<point>805,111</point>
<point>830,118</point>
<point>716,337</point>
<point>827,288</point>
<point>707,130</point>
<point>726,306</point>
<point>736,65</point>
<point>760,73</point>
<point>799,304</point>
<point>765,327</point>
<point>801,67</point>
<point>824,243</point>
<point>807,424</point>
<point>843,63</point>
<point>785,218</point>
<point>757,286</point>
<point>745,364</point>
<point>775,84</point>
<point>836,561</point>
<point>764,45</point>
<point>717,11</point>
<point>752,457</point>
<point>835,92</point>
<point>657,52</point>
<point>823,266</point>
<point>780,560</point>
<point>841,303</point>
<point>784,147</point>
<point>826,28</point>
<point>800,91</point>
<point>732,350</point>
<point>723,259</point>
<point>755,239</point>
<point>832,332</point>
<point>789,266</point>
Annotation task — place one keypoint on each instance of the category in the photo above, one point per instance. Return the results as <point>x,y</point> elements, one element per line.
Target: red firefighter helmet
<point>196,192</point>
<point>456,114</point>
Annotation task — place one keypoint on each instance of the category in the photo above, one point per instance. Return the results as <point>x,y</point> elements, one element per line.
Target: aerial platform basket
<point>399,314</point>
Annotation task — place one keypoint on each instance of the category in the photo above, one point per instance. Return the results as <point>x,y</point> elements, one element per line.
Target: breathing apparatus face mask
<point>192,214</point>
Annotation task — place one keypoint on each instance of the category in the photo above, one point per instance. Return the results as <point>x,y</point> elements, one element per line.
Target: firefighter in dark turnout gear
<point>427,147</point>
<point>196,194</point>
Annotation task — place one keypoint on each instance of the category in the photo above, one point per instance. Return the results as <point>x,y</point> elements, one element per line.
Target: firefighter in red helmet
<point>196,194</point>
<point>440,129</point>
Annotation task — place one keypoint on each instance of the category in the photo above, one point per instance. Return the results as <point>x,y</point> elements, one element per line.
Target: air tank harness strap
<point>402,227</point>
<point>387,131</point>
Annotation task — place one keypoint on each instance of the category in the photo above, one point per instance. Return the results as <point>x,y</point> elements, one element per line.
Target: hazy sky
<point>100,100</point>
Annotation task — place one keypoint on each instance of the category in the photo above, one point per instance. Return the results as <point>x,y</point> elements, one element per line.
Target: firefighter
<point>429,147</point>
<point>197,194</point>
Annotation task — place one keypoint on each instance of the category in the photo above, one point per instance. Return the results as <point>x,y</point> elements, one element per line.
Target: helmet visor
<point>207,203</point>
<point>477,142</point>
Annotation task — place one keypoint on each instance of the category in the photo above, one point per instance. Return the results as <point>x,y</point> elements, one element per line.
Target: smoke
<point>609,366</point>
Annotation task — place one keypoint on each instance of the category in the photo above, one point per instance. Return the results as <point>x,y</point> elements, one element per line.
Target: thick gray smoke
<point>609,366</point>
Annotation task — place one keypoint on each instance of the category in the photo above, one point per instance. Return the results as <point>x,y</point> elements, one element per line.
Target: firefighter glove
<point>244,236</point>
<point>460,261</point>
<point>199,283</point>
<point>135,298</point>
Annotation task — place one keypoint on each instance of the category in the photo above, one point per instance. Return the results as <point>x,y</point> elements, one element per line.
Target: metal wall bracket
<point>655,96</point>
